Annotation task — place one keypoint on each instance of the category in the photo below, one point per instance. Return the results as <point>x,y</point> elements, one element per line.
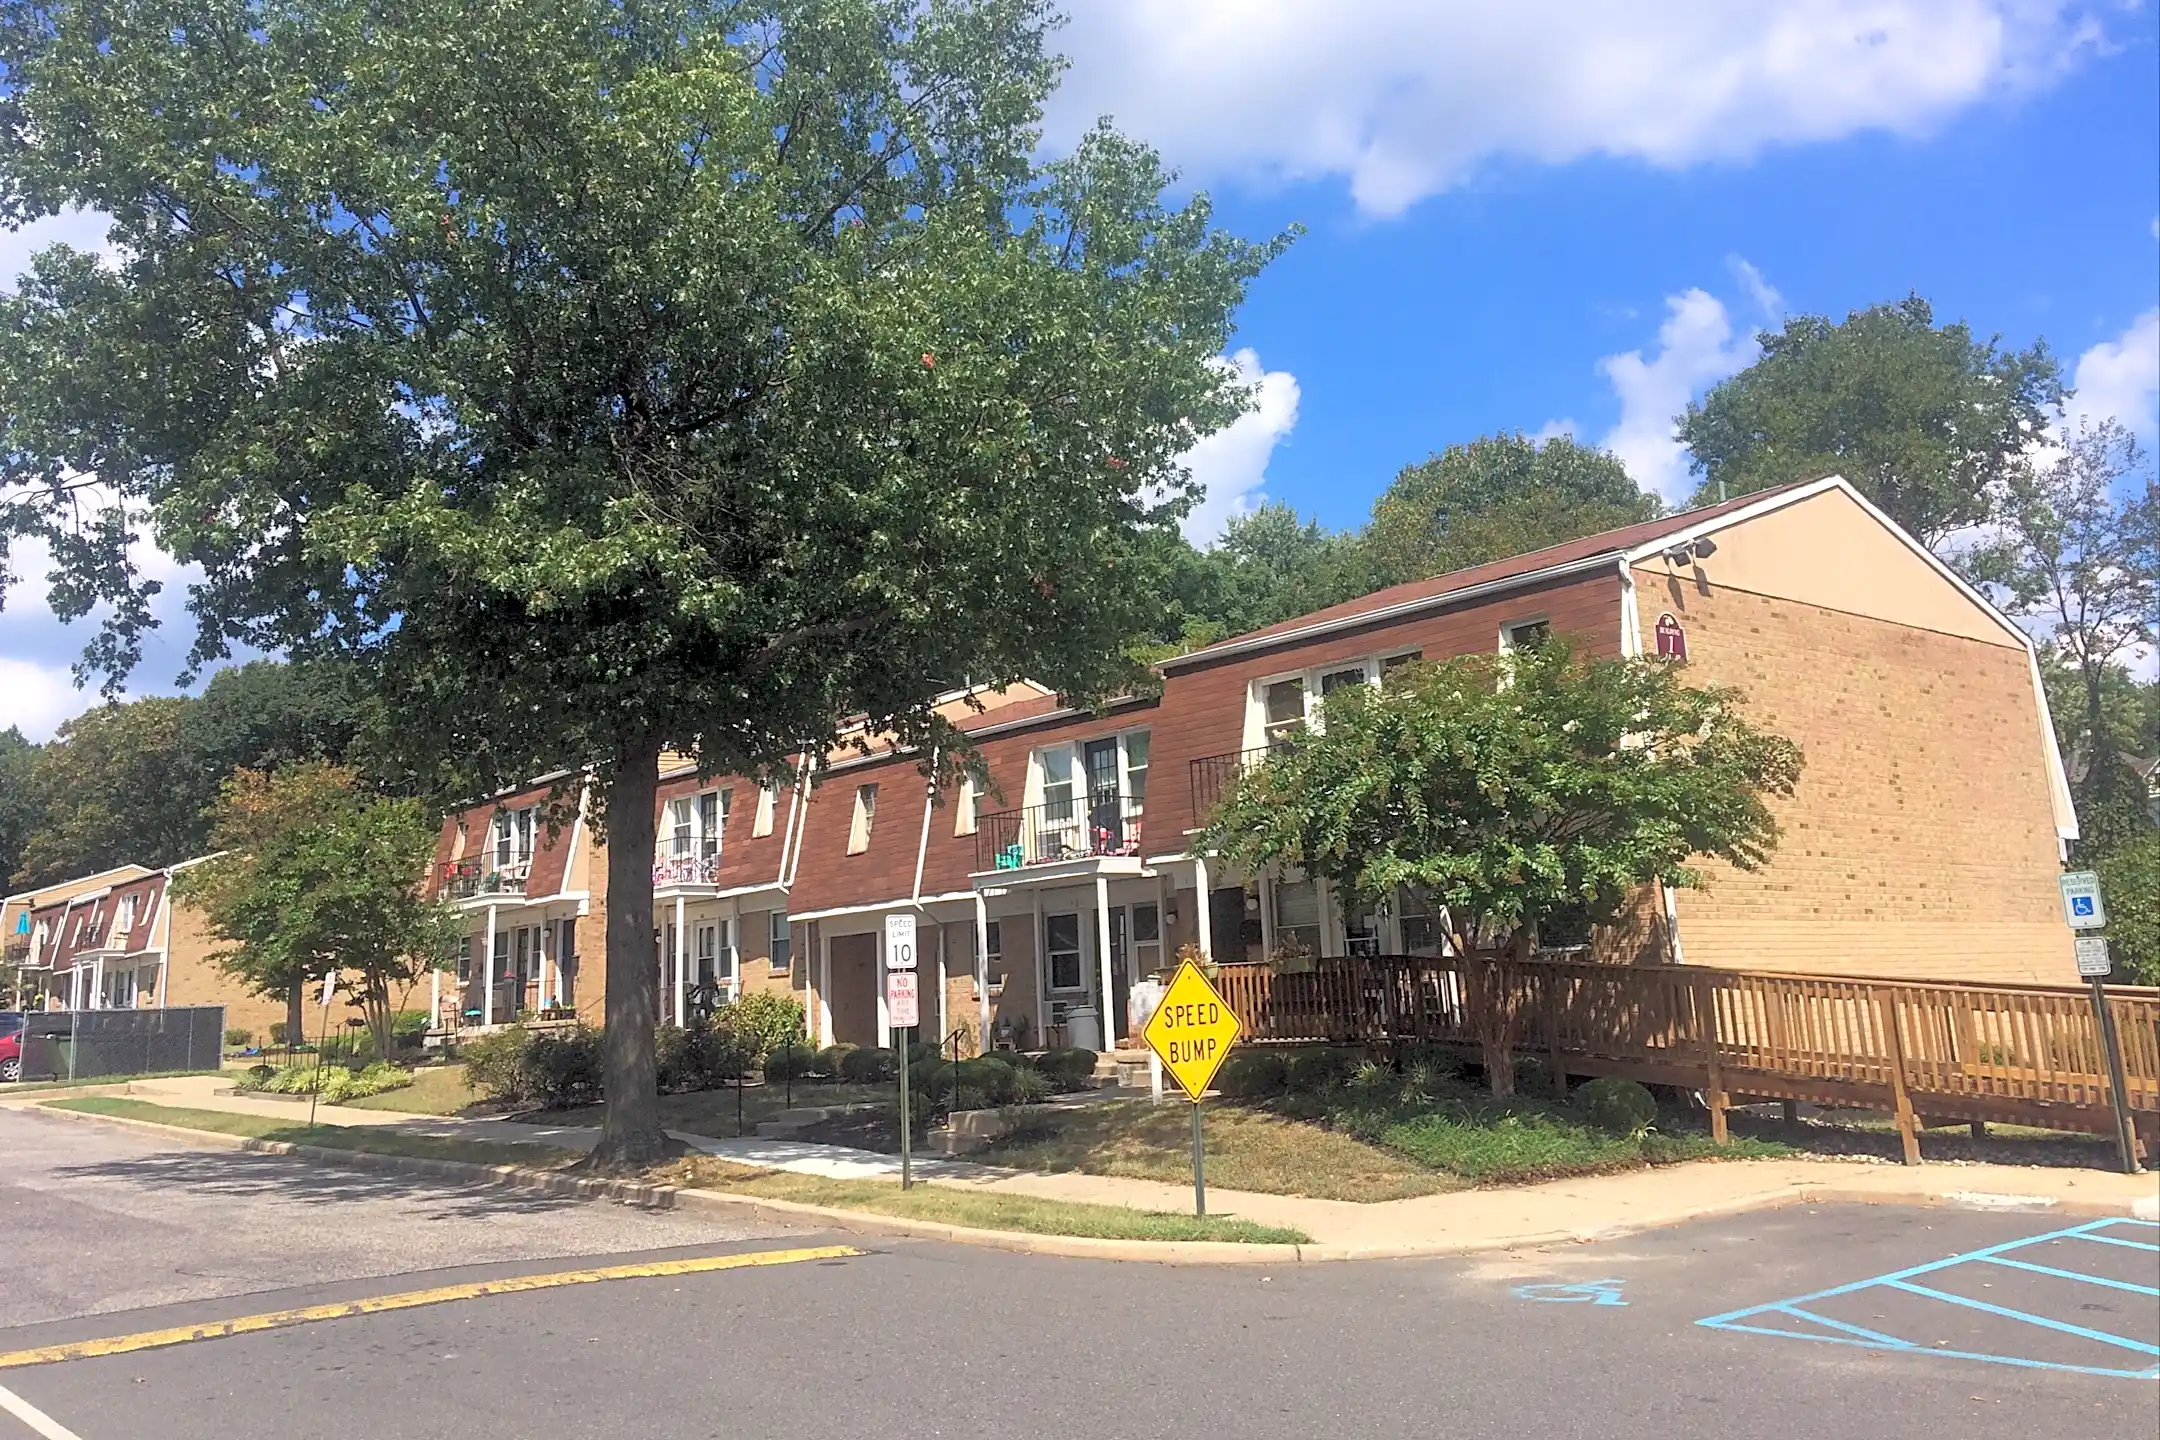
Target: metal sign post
<point>902,1014</point>
<point>1192,1031</point>
<point>329,989</point>
<point>2084,909</point>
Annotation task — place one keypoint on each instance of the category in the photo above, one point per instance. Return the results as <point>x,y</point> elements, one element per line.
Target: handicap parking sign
<point>2081,900</point>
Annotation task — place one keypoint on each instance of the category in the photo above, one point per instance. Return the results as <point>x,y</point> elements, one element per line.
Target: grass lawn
<point>1871,1133</point>
<point>948,1205</point>
<point>712,1112</point>
<point>1247,1149</point>
<point>32,1087</point>
<point>436,1090</point>
<point>373,1139</point>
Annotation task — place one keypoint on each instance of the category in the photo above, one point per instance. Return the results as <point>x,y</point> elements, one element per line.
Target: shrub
<point>237,1037</point>
<point>992,1077</point>
<point>1030,1087</point>
<point>1312,1071</point>
<point>829,1061</point>
<point>1253,1074</point>
<point>495,1063</point>
<point>671,1055</point>
<point>280,1033</point>
<point>922,1052</point>
<point>562,1068</point>
<point>790,1062</point>
<point>1619,1107</point>
<point>408,1029</point>
<point>870,1066</point>
<point>335,1083</point>
<point>718,1056</point>
<point>764,1021</point>
<point>969,1097</point>
<point>257,1072</point>
<point>1069,1069</point>
<point>929,1076</point>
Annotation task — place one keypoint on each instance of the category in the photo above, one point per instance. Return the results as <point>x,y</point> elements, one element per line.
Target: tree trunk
<point>631,1136</point>
<point>296,1011</point>
<point>375,1004</point>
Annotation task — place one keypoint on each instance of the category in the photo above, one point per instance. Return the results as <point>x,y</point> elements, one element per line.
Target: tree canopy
<point>702,375</point>
<point>313,872</point>
<point>1927,421</point>
<point>1497,496</point>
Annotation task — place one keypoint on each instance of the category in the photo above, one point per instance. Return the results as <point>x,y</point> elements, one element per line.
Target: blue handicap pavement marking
<point>1587,1292</point>
<point>2136,1235</point>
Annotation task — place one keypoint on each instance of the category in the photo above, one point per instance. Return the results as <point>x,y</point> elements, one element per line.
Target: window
<point>994,956</point>
<point>1392,663</point>
<point>1525,635</point>
<point>1061,942</point>
<point>1283,712</point>
<point>1420,927</point>
<point>768,797</point>
<point>1297,924</point>
<point>963,820</point>
<point>1147,940</point>
<point>499,961</point>
<point>124,921</point>
<point>705,955</point>
<point>711,816</point>
<point>682,827</point>
<point>865,815</point>
<point>1136,767</point>
<point>513,838</point>
<point>777,938</point>
<point>1057,790</point>
<point>464,958</point>
<point>1334,680</point>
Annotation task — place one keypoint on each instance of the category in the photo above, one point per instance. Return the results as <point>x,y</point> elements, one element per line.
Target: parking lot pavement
<point>1598,1340</point>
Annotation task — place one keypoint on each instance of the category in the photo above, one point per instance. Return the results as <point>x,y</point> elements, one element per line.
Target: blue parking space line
<point>2130,1285</point>
<point>1906,1347</point>
<point>2122,1341</point>
<point>1873,1337</point>
<point>2118,1240</point>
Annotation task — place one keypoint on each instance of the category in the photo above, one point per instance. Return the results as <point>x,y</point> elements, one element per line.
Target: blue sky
<point>1567,214</point>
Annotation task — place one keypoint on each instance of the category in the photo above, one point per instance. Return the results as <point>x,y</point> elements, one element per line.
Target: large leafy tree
<point>1497,496</point>
<point>1926,420</point>
<point>1511,790</point>
<point>2078,555</point>
<point>19,806</point>
<point>698,375</point>
<point>313,871</point>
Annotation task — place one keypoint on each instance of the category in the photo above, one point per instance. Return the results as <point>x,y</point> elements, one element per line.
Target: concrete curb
<point>795,1214</point>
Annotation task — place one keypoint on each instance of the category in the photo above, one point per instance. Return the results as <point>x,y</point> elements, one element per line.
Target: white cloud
<point>1561,429</point>
<point>83,229</point>
<point>2120,379</point>
<point>1696,348</point>
<point>1408,97</point>
<point>36,698</point>
<point>1761,291</point>
<point>1231,465</point>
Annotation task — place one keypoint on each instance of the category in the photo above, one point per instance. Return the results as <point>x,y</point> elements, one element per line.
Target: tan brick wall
<point>1921,841</point>
<point>192,978</point>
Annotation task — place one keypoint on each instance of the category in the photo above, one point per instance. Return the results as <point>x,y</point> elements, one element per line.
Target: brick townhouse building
<point>1924,838</point>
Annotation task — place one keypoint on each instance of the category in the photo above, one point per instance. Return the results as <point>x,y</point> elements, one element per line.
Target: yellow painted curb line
<point>411,1300</point>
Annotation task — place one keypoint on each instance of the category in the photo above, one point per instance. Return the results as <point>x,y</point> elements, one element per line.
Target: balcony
<point>1212,777</point>
<point>685,870</point>
<point>475,879</point>
<point>15,950</point>
<point>1106,824</point>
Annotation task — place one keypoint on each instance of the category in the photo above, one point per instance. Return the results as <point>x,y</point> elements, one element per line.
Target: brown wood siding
<point>1203,710</point>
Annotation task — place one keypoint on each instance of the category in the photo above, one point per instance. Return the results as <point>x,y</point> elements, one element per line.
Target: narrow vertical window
<point>767,798</point>
<point>865,816</point>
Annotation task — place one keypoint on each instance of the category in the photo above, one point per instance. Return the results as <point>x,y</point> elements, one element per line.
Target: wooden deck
<point>2026,1056</point>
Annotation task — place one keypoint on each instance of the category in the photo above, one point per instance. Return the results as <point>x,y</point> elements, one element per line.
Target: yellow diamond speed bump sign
<point>1192,1030</point>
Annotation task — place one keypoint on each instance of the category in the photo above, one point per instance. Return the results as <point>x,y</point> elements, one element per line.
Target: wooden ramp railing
<point>2018,1055</point>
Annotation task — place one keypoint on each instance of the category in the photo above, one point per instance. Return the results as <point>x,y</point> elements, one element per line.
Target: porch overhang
<point>1079,869</point>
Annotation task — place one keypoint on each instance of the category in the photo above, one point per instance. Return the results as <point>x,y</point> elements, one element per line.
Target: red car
<point>11,1038</point>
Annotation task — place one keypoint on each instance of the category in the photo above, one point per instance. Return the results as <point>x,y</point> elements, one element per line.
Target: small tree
<point>1510,790</point>
<point>314,873</point>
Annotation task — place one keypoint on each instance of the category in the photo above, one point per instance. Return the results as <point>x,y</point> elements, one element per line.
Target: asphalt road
<point>916,1339</point>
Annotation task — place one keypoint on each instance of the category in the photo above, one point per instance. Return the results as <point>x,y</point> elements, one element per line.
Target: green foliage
<point>313,872</point>
<point>700,1057</point>
<point>989,1077</point>
<point>1497,496</point>
<point>870,1065</point>
<point>764,1021</point>
<point>1618,1107</point>
<point>790,1062</point>
<point>831,1060</point>
<point>1927,421</point>
<point>1031,1087</point>
<point>335,1084</point>
<point>1310,1071</point>
<point>560,1068</point>
<point>1513,789</point>
<point>20,805</point>
<point>760,382</point>
<point>238,1037</point>
<point>494,1063</point>
<point>1252,1074</point>
<point>2130,881</point>
<point>1067,1069</point>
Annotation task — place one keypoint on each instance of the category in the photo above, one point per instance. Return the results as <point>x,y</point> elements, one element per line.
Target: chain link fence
<point>99,1044</point>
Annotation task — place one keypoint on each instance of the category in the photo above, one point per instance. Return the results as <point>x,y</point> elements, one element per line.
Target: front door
<point>854,990</point>
<point>1106,812</point>
<point>1120,973</point>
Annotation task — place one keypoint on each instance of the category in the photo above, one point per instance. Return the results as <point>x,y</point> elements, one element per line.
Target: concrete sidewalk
<point>1461,1221</point>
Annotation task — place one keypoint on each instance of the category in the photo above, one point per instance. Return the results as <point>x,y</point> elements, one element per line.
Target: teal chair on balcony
<point>1012,857</point>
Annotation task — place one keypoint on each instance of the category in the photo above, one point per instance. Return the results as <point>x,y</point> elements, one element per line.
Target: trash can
<point>1083,1028</point>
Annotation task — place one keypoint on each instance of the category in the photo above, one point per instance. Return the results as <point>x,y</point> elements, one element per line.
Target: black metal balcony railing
<point>1105,823</point>
<point>671,869</point>
<point>468,879</point>
<point>1213,775</point>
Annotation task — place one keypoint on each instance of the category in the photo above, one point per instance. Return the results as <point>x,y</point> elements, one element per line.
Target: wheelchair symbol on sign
<point>1588,1292</point>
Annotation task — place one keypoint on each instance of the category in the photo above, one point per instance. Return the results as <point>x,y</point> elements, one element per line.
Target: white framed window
<point>1056,765</point>
<point>512,838</point>
<point>124,920</point>
<point>682,827</point>
<point>1297,923</point>
<point>1147,939</point>
<point>776,949</point>
<point>994,956</point>
<point>768,799</point>
<point>1282,711</point>
<point>1061,944</point>
<point>865,816</point>
<point>705,955</point>
<point>963,820</point>
<point>464,958</point>
<point>712,817</point>
<point>1524,634</point>
<point>1389,664</point>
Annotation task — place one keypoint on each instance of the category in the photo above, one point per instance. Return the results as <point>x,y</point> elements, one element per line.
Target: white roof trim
<point>897,904</point>
<point>1401,609</point>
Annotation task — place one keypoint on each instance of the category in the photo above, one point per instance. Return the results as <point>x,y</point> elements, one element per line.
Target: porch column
<point>487,972</point>
<point>682,962</point>
<point>1042,970</point>
<point>939,1038</point>
<point>541,944</point>
<point>877,979</point>
<point>824,986</point>
<point>434,1014</point>
<point>982,972</point>
<point>1203,916</point>
<point>1102,955</point>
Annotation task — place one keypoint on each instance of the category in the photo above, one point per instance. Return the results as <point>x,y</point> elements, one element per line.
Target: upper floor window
<point>124,920</point>
<point>1288,704</point>
<point>776,952</point>
<point>696,824</point>
<point>1282,712</point>
<point>512,842</point>
<point>964,807</point>
<point>712,816</point>
<point>1525,635</point>
<point>865,816</point>
<point>768,797</point>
